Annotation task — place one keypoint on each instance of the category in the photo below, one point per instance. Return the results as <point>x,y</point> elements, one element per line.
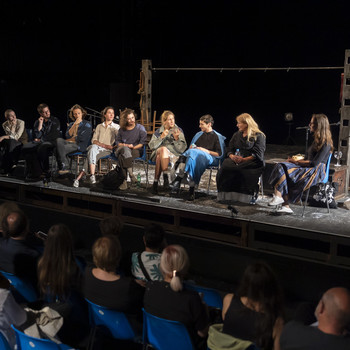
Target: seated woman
<point>129,144</point>
<point>11,143</point>
<point>102,141</point>
<point>104,287</point>
<point>60,281</point>
<point>291,178</point>
<point>167,143</point>
<point>167,299</point>
<point>254,313</point>
<point>78,136</point>
<point>240,172</point>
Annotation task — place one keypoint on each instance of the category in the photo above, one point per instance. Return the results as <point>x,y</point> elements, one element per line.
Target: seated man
<point>130,140</point>
<point>78,136</point>
<point>11,143</point>
<point>46,131</point>
<point>16,254</point>
<point>207,146</point>
<point>333,316</point>
<point>102,144</point>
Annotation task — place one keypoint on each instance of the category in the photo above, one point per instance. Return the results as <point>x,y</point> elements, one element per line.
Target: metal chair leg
<point>306,199</point>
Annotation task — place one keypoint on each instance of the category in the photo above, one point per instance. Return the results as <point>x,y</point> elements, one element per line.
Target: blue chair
<point>210,296</point>
<point>165,334</point>
<point>4,345</point>
<point>142,159</point>
<point>325,180</point>
<point>25,342</point>
<point>116,322</point>
<point>24,288</point>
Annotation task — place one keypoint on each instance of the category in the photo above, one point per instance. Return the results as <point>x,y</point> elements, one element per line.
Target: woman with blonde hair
<point>290,179</point>
<point>244,164</point>
<point>167,299</point>
<point>167,143</point>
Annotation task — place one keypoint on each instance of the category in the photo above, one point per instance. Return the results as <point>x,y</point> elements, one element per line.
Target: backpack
<point>113,179</point>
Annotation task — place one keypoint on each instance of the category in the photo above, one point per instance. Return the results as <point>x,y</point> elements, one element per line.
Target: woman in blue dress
<point>290,179</point>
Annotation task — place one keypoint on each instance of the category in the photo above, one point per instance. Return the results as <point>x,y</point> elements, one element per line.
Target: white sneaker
<point>123,186</point>
<point>92,179</point>
<point>276,201</point>
<point>284,210</point>
<point>76,183</point>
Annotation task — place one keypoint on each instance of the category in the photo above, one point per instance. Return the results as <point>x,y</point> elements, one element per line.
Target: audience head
<point>44,111</point>
<point>57,264</point>
<point>125,116</point>
<point>154,237</point>
<point>333,311</point>
<point>106,253</point>
<point>319,125</point>
<point>111,225</point>
<point>15,225</point>
<point>5,209</point>
<point>74,109</point>
<point>174,264</point>
<point>108,113</point>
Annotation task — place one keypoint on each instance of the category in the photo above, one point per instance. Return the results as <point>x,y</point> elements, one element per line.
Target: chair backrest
<point>115,321</point>
<point>30,134</point>
<point>26,342</point>
<point>210,296</point>
<point>165,334</point>
<point>325,180</point>
<point>4,345</point>
<point>144,154</point>
<point>24,288</point>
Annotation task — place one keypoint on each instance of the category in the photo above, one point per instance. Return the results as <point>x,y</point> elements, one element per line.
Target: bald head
<point>333,310</point>
<point>15,224</point>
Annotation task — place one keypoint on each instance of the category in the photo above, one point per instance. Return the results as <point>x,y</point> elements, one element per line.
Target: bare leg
<point>158,168</point>
<point>92,169</point>
<point>80,175</point>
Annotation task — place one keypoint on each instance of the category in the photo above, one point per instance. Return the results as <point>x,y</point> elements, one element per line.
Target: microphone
<point>302,127</point>
<point>334,124</point>
<point>233,210</point>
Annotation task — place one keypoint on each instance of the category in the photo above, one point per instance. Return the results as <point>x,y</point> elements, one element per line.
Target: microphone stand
<point>307,129</point>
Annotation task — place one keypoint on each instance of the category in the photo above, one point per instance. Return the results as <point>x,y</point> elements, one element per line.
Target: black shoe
<point>154,189</point>
<point>176,187</point>
<point>191,195</point>
<point>166,182</point>
<point>253,200</point>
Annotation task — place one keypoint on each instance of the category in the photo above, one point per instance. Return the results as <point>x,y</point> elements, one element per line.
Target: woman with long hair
<point>254,313</point>
<point>290,179</point>
<point>167,144</point>
<point>244,164</point>
<point>167,299</point>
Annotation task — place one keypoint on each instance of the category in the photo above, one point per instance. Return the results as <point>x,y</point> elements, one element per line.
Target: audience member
<point>5,209</point>
<point>104,287</point>
<point>254,313</point>
<point>11,143</point>
<point>207,146</point>
<point>145,265</point>
<point>78,137</point>
<point>129,144</point>
<point>333,316</point>
<point>10,313</point>
<point>102,144</point>
<point>167,143</point>
<point>16,254</point>
<point>111,225</point>
<point>36,153</point>
<point>167,299</point>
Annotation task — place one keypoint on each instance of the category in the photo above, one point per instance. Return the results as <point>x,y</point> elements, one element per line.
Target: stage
<point>205,226</point>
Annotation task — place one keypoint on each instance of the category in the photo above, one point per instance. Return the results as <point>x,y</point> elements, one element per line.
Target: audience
<point>5,209</point>
<point>10,313</point>
<point>167,299</point>
<point>254,313</point>
<point>17,256</point>
<point>105,287</point>
<point>111,225</point>
<point>333,316</point>
<point>145,265</point>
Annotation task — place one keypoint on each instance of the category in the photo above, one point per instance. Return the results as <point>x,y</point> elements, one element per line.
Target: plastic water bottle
<point>138,180</point>
<point>237,153</point>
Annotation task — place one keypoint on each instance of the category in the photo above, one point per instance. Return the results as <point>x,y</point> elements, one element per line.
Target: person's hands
<point>236,159</point>
<point>176,134</point>
<point>165,133</point>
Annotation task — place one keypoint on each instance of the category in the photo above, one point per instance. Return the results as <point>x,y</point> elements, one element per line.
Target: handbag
<point>325,192</point>
<point>113,179</point>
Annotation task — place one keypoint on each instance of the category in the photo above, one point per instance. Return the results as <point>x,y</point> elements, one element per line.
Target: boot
<point>165,182</point>
<point>154,189</point>
<point>176,185</point>
<point>191,195</point>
